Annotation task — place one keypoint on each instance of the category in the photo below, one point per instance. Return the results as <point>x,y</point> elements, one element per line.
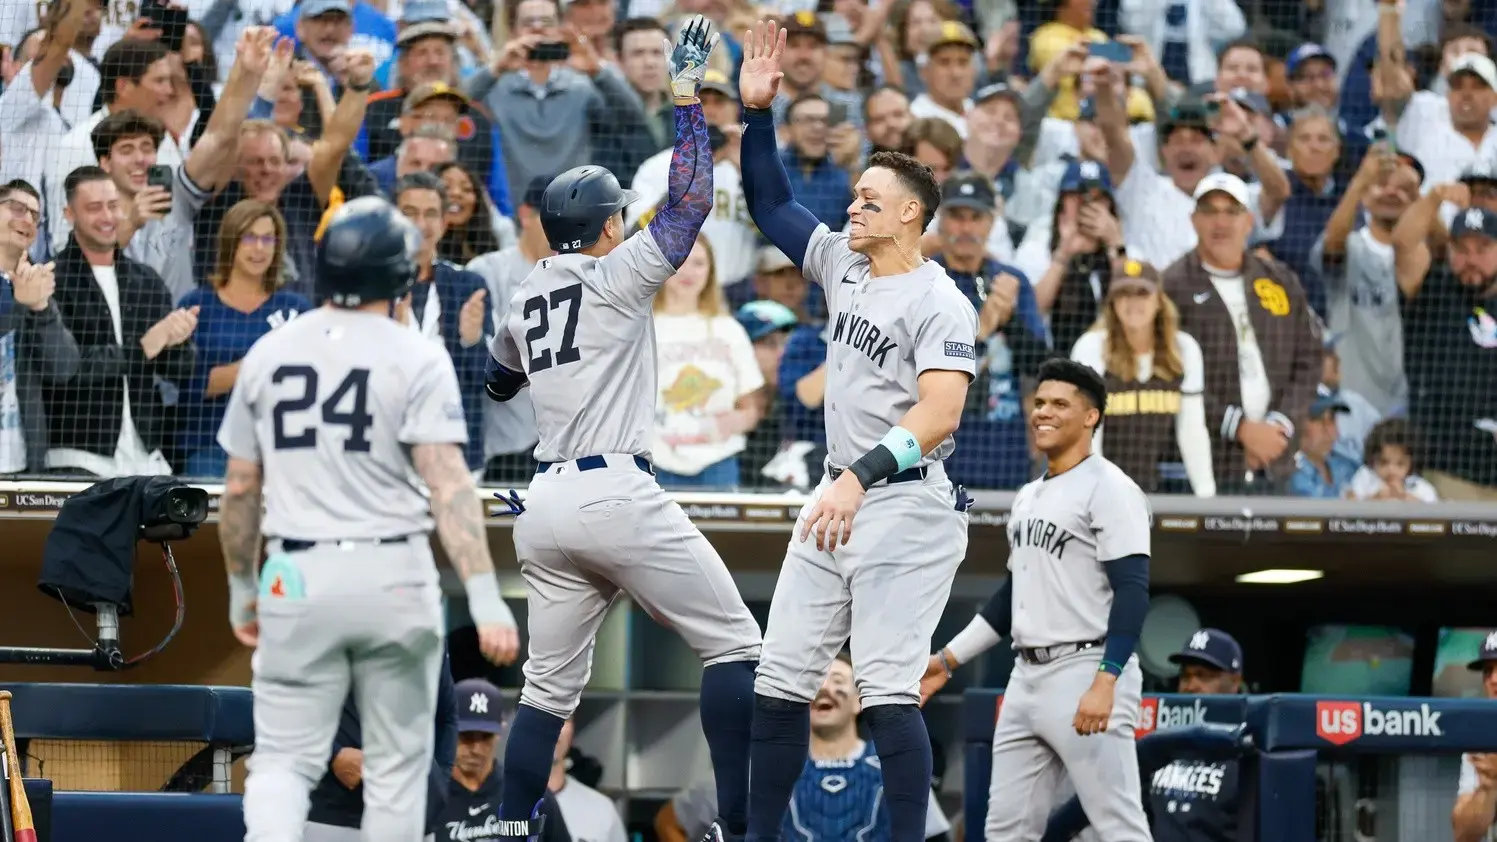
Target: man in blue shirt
<point>326,29</point>
<point>1319,471</point>
<point>992,447</point>
<point>816,182</point>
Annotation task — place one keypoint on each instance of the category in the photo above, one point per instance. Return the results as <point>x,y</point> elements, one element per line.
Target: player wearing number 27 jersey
<point>595,521</point>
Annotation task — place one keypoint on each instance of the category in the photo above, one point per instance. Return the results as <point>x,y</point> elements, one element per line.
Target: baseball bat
<point>20,808</point>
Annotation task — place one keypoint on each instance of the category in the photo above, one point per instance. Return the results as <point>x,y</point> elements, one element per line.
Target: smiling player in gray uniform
<point>1074,605</point>
<point>596,523</point>
<point>340,416</point>
<point>899,359</point>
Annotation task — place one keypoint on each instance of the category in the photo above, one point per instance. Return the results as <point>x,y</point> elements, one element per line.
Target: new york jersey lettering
<point>1040,534</point>
<point>863,335</point>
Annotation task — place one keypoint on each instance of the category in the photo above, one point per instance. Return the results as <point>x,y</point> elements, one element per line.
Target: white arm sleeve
<point>1191,433</point>
<point>977,638</point>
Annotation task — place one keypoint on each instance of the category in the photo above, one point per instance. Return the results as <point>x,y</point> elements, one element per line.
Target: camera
<point>172,513</point>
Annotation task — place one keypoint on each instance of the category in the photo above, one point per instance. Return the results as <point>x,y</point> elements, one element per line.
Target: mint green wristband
<point>905,447</point>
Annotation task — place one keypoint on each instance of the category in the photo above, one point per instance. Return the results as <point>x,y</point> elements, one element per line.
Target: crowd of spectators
<point>1271,227</point>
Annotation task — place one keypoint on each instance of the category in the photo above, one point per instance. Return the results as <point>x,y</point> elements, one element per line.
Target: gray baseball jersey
<point>885,332</point>
<point>581,330</point>
<point>1061,531</point>
<point>329,405</point>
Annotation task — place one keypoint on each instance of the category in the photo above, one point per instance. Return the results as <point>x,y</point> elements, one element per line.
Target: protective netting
<point>1317,324</point>
<point>109,766</point>
<point>1385,797</point>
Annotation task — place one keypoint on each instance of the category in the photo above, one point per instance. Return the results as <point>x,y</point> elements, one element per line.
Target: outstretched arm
<point>688,198</point>
<point>766,186</point>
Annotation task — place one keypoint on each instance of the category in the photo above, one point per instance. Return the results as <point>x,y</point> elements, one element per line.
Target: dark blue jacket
<point>821,186</point>
<point>1305,216</point>
<point>335,804</point>
<point>454,286</point>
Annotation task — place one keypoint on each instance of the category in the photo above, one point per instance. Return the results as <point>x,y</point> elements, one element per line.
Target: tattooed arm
<point>689,198</point>
<point>239,512</point>
<point>459,516</point>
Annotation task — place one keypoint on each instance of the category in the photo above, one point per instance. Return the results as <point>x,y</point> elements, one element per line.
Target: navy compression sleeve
<point>1129,577</point>
<point>688,199</point>
<point>766,188</point>
<point>999,610</point>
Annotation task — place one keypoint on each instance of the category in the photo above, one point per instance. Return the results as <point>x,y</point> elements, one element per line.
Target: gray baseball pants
<point>341,615</point>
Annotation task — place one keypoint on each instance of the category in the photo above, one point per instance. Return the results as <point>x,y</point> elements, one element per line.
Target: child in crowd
<point>1389,464</point>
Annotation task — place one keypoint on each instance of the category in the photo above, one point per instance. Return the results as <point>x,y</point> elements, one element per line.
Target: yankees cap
<point>1488,653</point>
<point>480,707</point>
<point>1212,647</point>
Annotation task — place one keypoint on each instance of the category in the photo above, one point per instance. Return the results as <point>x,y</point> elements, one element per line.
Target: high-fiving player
<point>596,522</point>
<point>1074,604</point>
<point>900,355</point>
<point>340,416</point>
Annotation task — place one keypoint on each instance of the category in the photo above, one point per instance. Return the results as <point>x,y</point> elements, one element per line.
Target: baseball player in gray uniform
<point>596,524</point>
<point>1074,605</point>
<point>899,359</point>
<point>336,420</point>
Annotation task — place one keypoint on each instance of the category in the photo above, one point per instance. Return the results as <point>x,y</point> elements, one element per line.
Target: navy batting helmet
<point>576,205</point>
<point>367,253</point>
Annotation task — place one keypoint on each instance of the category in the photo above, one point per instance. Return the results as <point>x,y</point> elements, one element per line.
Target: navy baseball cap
<point>536,191</point>
<point>761,318</point>
<point>480,707</point>
<point>1326,403</point>
<point>1474,221</point>
<point>1304,53</point>
<point>969,190</point>
<point>318,8</point>
<point>1081,176</point>
<point>1488,653</point>
<point>1212,647</point>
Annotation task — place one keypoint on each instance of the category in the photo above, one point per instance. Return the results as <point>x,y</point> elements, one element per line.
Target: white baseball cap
<point>1223,182</point>
<point>1477,65</point>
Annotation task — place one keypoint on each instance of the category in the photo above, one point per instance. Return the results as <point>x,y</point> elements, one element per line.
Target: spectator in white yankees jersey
<point>709,380</point>
<point>509,433</point>
<point>1259,338</point>
<point>1184,33</point>
<point>1361,279</point>
<point>1474,816</point>
<point>48,88</point>
<point>1448,132</point>
<point>1157,206</point>
<point>735,240</point>
<point>590,815</point>
<point>998,148</point>
<point>135,75</point>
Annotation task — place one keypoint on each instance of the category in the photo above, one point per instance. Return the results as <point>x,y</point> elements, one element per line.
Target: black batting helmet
<point>577,203</point>
<point>367,253</point>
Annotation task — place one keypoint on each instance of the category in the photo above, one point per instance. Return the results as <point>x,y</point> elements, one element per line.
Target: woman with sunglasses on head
<point>1154,375</point>
<point>241,302</point>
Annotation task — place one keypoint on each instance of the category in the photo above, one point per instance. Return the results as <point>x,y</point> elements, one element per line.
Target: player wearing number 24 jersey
<point>595,522</point>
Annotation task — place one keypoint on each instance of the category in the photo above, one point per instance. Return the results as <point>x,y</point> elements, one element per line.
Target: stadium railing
<point>1319,769</point>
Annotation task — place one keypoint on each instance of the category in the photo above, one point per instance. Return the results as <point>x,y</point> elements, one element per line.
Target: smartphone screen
<point>159,176</point>
<point>172,23</point>
<point>1111,51</point>
<point>836,113</point>
<point>550,51</point>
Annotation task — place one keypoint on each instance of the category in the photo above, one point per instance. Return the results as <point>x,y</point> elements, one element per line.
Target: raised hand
<point>277,65</point>
<point>33,284</point>
<point>255,48</point>
<point>687,61</point>
<point>360,68</point>
<point>471,318</point>
<point>759,76</point>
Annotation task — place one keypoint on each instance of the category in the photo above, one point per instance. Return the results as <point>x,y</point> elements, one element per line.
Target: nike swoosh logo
<point>473,811</point>
<point>848,281</point>
<point>1201,297</point>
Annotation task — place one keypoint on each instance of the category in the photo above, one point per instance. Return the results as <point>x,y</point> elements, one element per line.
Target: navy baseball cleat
<point>529,831</point>
<point>716,833</point>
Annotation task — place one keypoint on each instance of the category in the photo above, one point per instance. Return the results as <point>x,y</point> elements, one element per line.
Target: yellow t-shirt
<point>1049,41</point>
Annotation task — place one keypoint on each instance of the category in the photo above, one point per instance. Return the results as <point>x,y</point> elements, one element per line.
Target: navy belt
<point>907,475</point>
<point>593,463</point>
<point>296,545</point>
